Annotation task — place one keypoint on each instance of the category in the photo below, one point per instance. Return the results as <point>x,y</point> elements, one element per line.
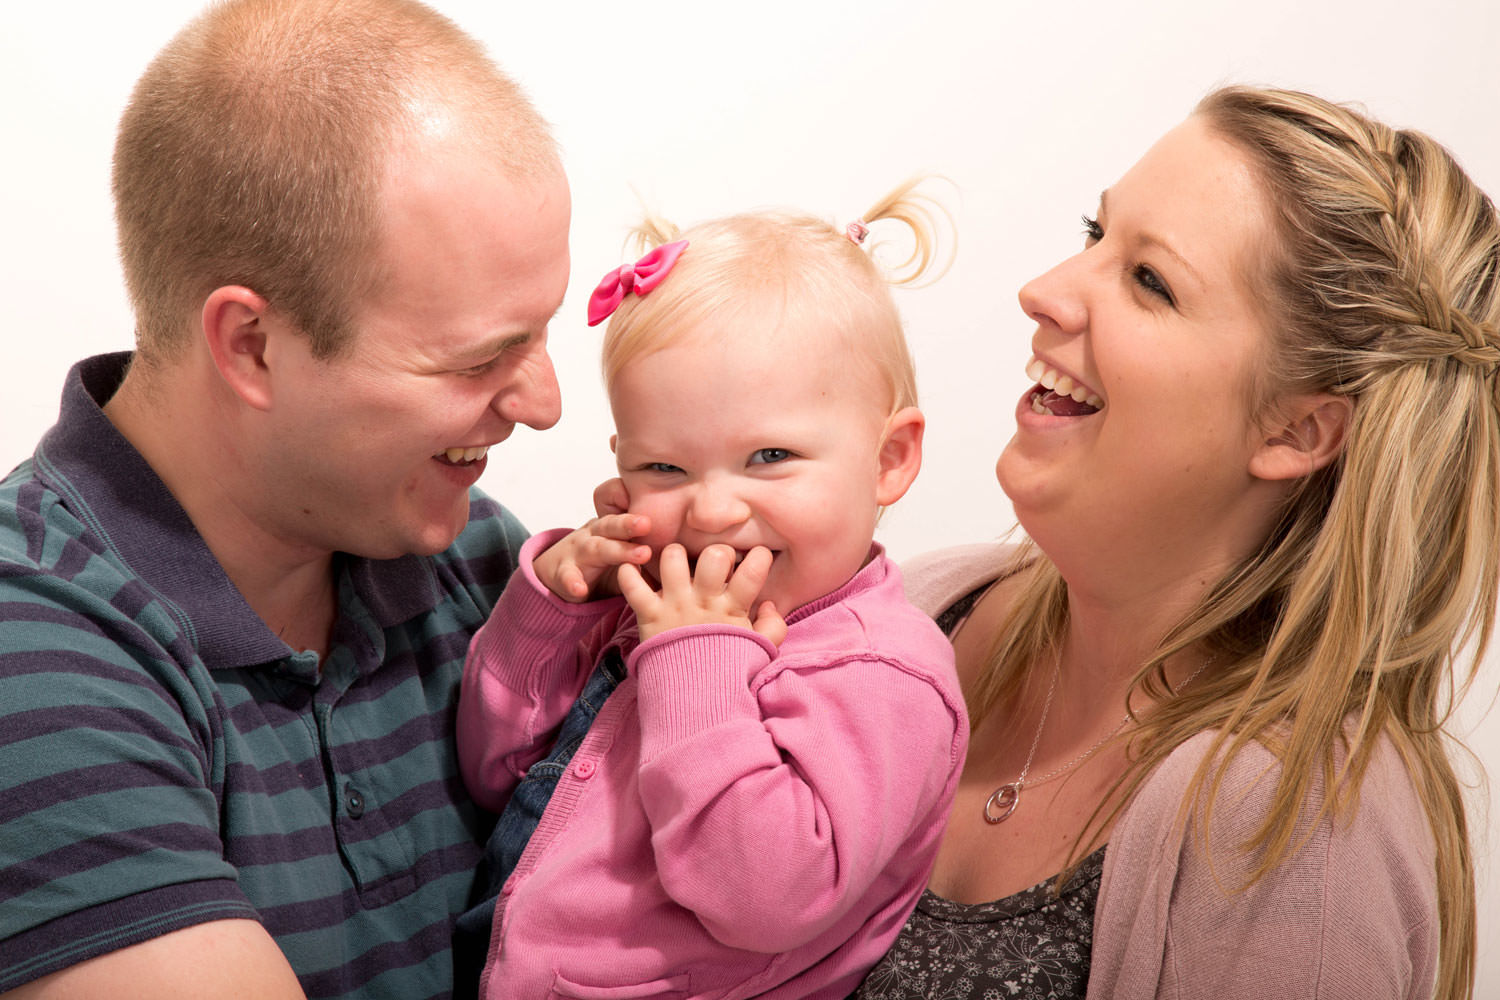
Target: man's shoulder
<point>39,530</point>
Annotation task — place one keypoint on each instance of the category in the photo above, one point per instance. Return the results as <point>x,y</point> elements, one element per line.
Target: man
<point>238,577</point>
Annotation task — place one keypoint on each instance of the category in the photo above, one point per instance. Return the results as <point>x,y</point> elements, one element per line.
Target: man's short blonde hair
<point>253,147</point>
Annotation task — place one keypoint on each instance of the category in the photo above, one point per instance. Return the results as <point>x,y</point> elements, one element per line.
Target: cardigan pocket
<point>669,987</point>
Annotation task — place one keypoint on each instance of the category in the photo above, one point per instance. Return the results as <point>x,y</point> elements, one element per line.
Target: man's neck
<point>187,434</point>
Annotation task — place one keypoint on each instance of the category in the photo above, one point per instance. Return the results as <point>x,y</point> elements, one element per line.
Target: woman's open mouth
<point>1060,395</point>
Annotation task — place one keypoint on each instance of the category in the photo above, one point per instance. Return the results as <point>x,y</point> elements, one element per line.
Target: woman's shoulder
<point>935,579</point>
<point>1355,896</point>
<point>1387,806</point>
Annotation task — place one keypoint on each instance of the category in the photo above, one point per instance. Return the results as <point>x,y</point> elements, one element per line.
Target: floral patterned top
<point>1029,946</point>
<point>1033,945</point>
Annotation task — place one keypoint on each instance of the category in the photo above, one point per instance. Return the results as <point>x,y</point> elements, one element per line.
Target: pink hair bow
<point>640,277</point>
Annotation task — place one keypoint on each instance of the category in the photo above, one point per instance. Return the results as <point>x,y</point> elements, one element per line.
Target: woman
<point>1259,476</point>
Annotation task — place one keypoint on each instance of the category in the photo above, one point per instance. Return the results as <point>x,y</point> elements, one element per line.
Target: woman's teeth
<point>460,456</point>
<point>1051,379</point>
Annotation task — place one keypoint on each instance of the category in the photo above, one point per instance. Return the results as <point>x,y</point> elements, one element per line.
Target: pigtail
<point>933,234</point>
<point>651,232</point>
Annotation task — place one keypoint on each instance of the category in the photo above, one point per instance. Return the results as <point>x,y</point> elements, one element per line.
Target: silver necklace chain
<point>1003,800</point>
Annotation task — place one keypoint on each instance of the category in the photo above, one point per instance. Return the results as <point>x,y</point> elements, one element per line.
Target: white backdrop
<point>705,108</point>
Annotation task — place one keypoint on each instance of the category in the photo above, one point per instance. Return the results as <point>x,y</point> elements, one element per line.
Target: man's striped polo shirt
<point>165,760</point>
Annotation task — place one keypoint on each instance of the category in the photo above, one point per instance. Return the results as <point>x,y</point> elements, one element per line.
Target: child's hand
<point>582,565</point>
<point>717,592</point>
<point>611,497</point>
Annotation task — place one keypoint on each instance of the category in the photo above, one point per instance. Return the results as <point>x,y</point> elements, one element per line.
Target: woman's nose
<point>1056,297</point>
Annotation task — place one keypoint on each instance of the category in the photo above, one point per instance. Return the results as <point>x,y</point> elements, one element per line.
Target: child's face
<point>723,440</point>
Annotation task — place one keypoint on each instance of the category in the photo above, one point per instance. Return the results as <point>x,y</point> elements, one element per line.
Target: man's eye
<point>484,368</point>
<point>766,456</point>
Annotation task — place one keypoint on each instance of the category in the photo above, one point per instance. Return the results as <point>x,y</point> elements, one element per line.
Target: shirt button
<point>584,769</point>
<point>354,803</point>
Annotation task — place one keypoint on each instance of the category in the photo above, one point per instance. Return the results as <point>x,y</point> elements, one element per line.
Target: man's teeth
<point>1051,379</point>
<point>456,455</point>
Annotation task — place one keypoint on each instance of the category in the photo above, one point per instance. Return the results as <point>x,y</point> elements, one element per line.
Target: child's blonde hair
<point>762,272</point>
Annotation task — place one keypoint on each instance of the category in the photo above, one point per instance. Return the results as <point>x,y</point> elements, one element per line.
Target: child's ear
<point>1306,436</point>
<point>900,454</point>
<point>233,324</point>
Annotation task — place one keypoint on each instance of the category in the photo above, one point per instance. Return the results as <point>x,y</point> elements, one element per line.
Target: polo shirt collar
<point>110,487</point>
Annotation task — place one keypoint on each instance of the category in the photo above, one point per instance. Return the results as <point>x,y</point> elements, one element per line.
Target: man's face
<point>377,448</point>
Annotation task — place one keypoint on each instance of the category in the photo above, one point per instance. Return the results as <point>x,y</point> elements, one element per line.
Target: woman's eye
<point>1092,231</point>
<point>766,456</point>
<point>1151,282</point>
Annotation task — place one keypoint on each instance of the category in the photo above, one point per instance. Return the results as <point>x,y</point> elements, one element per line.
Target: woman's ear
<point>233,324</point>
<point>900,456</point>
<point>1307,435</point>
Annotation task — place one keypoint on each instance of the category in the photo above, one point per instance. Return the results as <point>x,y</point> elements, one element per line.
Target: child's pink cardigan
<point>741,820</point>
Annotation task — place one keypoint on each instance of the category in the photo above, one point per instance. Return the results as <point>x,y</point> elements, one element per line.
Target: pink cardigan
<point>740,820</point>
<point>1351,915</point>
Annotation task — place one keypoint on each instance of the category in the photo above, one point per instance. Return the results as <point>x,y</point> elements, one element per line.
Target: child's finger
<point>673,568</point>
<point>620,526</point>
<point>769,623</point>
<point>571,579</point>
<point>636,591</point>
<point>600,553</point>
<point>750,576</point>
<point>715,564</point>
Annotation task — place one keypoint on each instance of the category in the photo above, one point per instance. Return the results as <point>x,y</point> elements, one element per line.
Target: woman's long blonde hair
<point>1383,285</point>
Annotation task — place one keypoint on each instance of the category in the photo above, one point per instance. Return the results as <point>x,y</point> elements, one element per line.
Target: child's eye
<point>1092,231</point>
<point>766,456</point>
<point>665,468</point>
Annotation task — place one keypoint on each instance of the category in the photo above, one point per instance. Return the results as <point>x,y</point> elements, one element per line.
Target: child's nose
<point>715,507</point>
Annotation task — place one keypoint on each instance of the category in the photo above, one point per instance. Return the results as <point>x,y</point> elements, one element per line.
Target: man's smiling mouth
<point>462,456</point>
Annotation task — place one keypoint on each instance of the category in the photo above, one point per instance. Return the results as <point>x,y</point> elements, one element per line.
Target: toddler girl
<point>723,743</point>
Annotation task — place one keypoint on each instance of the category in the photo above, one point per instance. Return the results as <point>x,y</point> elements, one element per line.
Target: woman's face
<point>1147,340</point>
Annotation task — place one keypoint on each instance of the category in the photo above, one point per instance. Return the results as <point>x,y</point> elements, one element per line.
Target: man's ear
<point>234,327</point>
<point>900,455</point>
<point>1307,435</point>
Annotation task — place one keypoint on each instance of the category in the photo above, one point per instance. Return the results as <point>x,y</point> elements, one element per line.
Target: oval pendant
<point>1001,803</point>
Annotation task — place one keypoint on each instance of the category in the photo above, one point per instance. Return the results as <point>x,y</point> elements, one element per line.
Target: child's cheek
<point>664,517</point>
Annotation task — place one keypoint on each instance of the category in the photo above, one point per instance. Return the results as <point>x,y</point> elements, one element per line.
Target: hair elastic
<point>857,231</point>
<point>640,277</point>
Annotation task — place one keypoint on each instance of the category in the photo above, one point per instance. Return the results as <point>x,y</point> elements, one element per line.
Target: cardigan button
<point>584,769</point>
